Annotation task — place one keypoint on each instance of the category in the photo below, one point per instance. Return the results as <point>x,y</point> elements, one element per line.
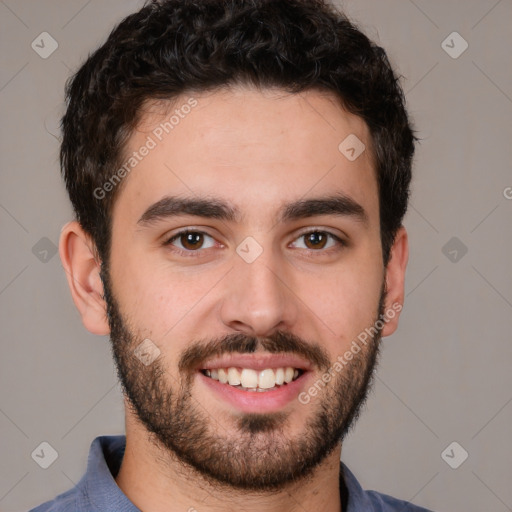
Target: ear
<point>395,281</point>
<point>76,250</point>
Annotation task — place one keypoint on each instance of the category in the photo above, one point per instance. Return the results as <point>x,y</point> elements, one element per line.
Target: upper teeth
<point>252,379</point>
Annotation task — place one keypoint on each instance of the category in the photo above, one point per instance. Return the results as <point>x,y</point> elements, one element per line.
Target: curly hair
<point>172,47</point>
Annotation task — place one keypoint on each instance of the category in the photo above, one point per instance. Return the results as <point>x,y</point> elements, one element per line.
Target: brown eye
<point>191,241</point>
<point>316,240</point>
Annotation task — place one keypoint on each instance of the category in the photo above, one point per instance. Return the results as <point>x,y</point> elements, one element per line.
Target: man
<point>239,173</point>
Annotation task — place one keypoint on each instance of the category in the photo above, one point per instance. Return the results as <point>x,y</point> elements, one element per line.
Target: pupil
<point>193,240</point>
<point>317,239</point>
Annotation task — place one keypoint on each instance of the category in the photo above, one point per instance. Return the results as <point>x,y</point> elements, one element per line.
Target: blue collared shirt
<point>98,491</point>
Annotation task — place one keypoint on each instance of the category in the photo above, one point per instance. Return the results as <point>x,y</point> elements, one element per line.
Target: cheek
<point>163,301</point>
<point>346,303</point>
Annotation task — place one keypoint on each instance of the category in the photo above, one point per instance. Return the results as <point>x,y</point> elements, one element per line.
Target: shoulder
<point>386,503</point>
<point>104,452</point>
<point>358,500</point>
<point>65,502</point>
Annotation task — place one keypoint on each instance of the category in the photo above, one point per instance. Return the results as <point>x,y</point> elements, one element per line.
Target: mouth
<point>255,382</point>
<point>248,379</point>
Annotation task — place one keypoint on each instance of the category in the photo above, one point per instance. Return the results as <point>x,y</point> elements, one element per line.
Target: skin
<point>256,150</point>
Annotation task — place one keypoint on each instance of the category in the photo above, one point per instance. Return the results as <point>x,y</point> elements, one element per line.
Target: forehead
<point>252,148</point>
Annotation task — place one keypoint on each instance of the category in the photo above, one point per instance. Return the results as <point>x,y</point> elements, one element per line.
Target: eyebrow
<point>175,206</point>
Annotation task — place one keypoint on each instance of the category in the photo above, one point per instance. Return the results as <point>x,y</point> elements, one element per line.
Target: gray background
<point>444,376</point>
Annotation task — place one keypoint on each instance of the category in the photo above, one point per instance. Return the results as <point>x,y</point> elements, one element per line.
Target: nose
<point>259,297</point>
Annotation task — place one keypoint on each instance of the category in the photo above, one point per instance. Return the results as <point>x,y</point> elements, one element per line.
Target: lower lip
<point>257,401</point>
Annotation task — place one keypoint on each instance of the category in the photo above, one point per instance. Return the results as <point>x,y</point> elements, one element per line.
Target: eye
<point>317,240</point>
<point>190,241</point>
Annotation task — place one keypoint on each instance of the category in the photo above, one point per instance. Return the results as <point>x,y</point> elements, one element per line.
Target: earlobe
<point>82,269</point>
<point>395,281</point>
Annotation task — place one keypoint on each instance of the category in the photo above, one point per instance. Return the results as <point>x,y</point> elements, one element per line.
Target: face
<point>246,252</point>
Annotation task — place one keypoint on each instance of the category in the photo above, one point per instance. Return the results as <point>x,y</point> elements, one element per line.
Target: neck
<point>157,481</point>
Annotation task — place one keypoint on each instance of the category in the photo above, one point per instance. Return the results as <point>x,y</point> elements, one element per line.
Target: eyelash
<point>198,253</point>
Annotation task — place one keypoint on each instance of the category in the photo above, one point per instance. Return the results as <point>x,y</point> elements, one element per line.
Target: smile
<point>248,379</point>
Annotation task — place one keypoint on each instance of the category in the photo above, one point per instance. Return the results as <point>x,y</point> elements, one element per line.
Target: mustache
<point>278,343</point>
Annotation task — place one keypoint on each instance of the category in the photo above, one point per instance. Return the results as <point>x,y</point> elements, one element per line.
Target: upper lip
<point>257,361</point>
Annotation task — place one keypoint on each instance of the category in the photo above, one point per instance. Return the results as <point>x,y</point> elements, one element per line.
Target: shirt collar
<point>353,497</point>
<point>98,485</point>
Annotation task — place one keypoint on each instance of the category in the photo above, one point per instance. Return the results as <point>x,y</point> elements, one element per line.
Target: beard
<point>260,455</point>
